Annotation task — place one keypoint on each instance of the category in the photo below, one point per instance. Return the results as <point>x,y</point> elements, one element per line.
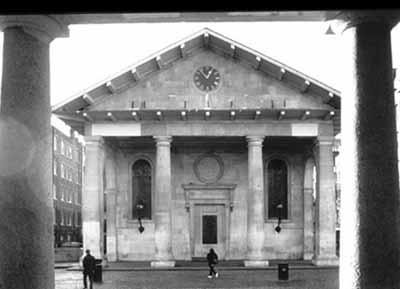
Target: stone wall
<point>135,246</point>
<point>244,86</point>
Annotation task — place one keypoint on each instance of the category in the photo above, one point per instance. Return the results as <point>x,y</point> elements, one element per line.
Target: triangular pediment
<point>166,81</point>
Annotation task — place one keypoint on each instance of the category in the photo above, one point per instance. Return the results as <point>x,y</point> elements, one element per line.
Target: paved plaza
<point>196,279</point>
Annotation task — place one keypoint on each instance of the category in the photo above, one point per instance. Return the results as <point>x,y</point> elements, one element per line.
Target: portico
<point>220,179</point>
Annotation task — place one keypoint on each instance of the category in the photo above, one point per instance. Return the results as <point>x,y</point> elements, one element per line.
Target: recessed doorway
<point>209,229</point>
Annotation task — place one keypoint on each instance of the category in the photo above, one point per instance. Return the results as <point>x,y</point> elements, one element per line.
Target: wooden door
<point>209,230</point>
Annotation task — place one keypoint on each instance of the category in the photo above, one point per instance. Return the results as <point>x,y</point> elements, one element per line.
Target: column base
<point>161,264</point>
<point>308,256</point>
<point>326,261</point>
<point>112,257</point>
<point>256,263</point>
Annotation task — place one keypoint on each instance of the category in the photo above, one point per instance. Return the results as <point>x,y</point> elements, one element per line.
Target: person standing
<point>89,266</point>
<point>212,259</point>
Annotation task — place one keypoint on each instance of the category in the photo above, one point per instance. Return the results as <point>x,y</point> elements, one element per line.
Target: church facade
<point>208,144</point>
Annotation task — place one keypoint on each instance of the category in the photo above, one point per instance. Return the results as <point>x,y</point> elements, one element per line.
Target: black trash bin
<point>98,272</point>
<point>283,271</point>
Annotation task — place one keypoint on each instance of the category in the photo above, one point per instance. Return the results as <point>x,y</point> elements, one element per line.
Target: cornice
<point>43,27</point>
<point>350,18</point>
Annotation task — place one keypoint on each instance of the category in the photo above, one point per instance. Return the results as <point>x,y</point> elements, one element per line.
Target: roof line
<point>182,41</point>
<point>128,68</point>
<point>274,61</point>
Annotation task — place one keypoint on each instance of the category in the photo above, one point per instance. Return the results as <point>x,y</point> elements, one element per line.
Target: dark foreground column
<point>369,250</point>
<point>26,203</point>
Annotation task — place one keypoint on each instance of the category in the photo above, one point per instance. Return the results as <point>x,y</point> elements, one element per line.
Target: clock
<point>207,78</point>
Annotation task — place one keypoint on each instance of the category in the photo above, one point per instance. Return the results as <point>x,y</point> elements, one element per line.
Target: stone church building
<point>208,144</point>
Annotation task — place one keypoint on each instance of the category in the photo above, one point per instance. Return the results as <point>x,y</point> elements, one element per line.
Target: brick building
<point>67,187</point>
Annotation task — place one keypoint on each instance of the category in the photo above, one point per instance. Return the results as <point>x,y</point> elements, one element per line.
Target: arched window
<point>277,189</point>
<point>141,189</point>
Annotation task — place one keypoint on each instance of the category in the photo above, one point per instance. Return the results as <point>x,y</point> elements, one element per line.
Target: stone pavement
<point>197,279</point>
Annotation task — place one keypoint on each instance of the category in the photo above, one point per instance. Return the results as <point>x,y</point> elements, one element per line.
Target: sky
<point>92,53</point>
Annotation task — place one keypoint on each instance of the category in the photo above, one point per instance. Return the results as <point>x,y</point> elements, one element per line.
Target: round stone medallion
<point>209,168</point>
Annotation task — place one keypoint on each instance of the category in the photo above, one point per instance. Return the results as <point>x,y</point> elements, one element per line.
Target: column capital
<point>255,140</point>
<point>42,27</point>
<point>346,19</point>
<point>324,140</point>
<point>163,140</point>
<point>94,140</point>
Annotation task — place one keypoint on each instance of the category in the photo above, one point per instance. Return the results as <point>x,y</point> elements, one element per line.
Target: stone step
<point>275,262</point>
<point>238,263</point>
<point>201,262</point>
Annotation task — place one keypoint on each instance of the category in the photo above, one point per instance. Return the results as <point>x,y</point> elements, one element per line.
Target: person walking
<point>89,266</point>
<point>212,259</point>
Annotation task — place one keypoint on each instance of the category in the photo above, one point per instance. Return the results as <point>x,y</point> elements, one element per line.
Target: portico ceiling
<point>206,114</point>
<point>200,16</point>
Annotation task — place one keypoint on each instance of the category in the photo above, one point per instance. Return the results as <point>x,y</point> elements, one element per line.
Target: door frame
<point>200,210</point>
<point>209,194</point>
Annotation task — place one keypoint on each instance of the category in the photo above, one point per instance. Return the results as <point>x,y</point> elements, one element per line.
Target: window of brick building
<point>55,167</point>
<point>79,219</point>
<point>55,140</point>
<point>62,145</point>
<point>70,152</point>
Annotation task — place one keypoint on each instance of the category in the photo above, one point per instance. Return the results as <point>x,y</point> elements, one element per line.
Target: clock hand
<point>201,71</point>
<point>209,73</point>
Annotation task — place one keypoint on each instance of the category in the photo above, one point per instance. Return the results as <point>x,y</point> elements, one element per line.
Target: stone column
<point>26,202</point>
<point>162,213</point>
<point>93,190</point>
<point>369,249</point>
<point>325,205</point>
<point>111,194</point>
<point>255,204</point>
<point>308,250</point>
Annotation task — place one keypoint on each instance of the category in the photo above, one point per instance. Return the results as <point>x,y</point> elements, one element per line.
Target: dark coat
<point>212,258</point>
<point>89,264</point>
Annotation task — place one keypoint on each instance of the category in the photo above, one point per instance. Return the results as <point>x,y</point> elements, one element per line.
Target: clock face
<point>206,78</point>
